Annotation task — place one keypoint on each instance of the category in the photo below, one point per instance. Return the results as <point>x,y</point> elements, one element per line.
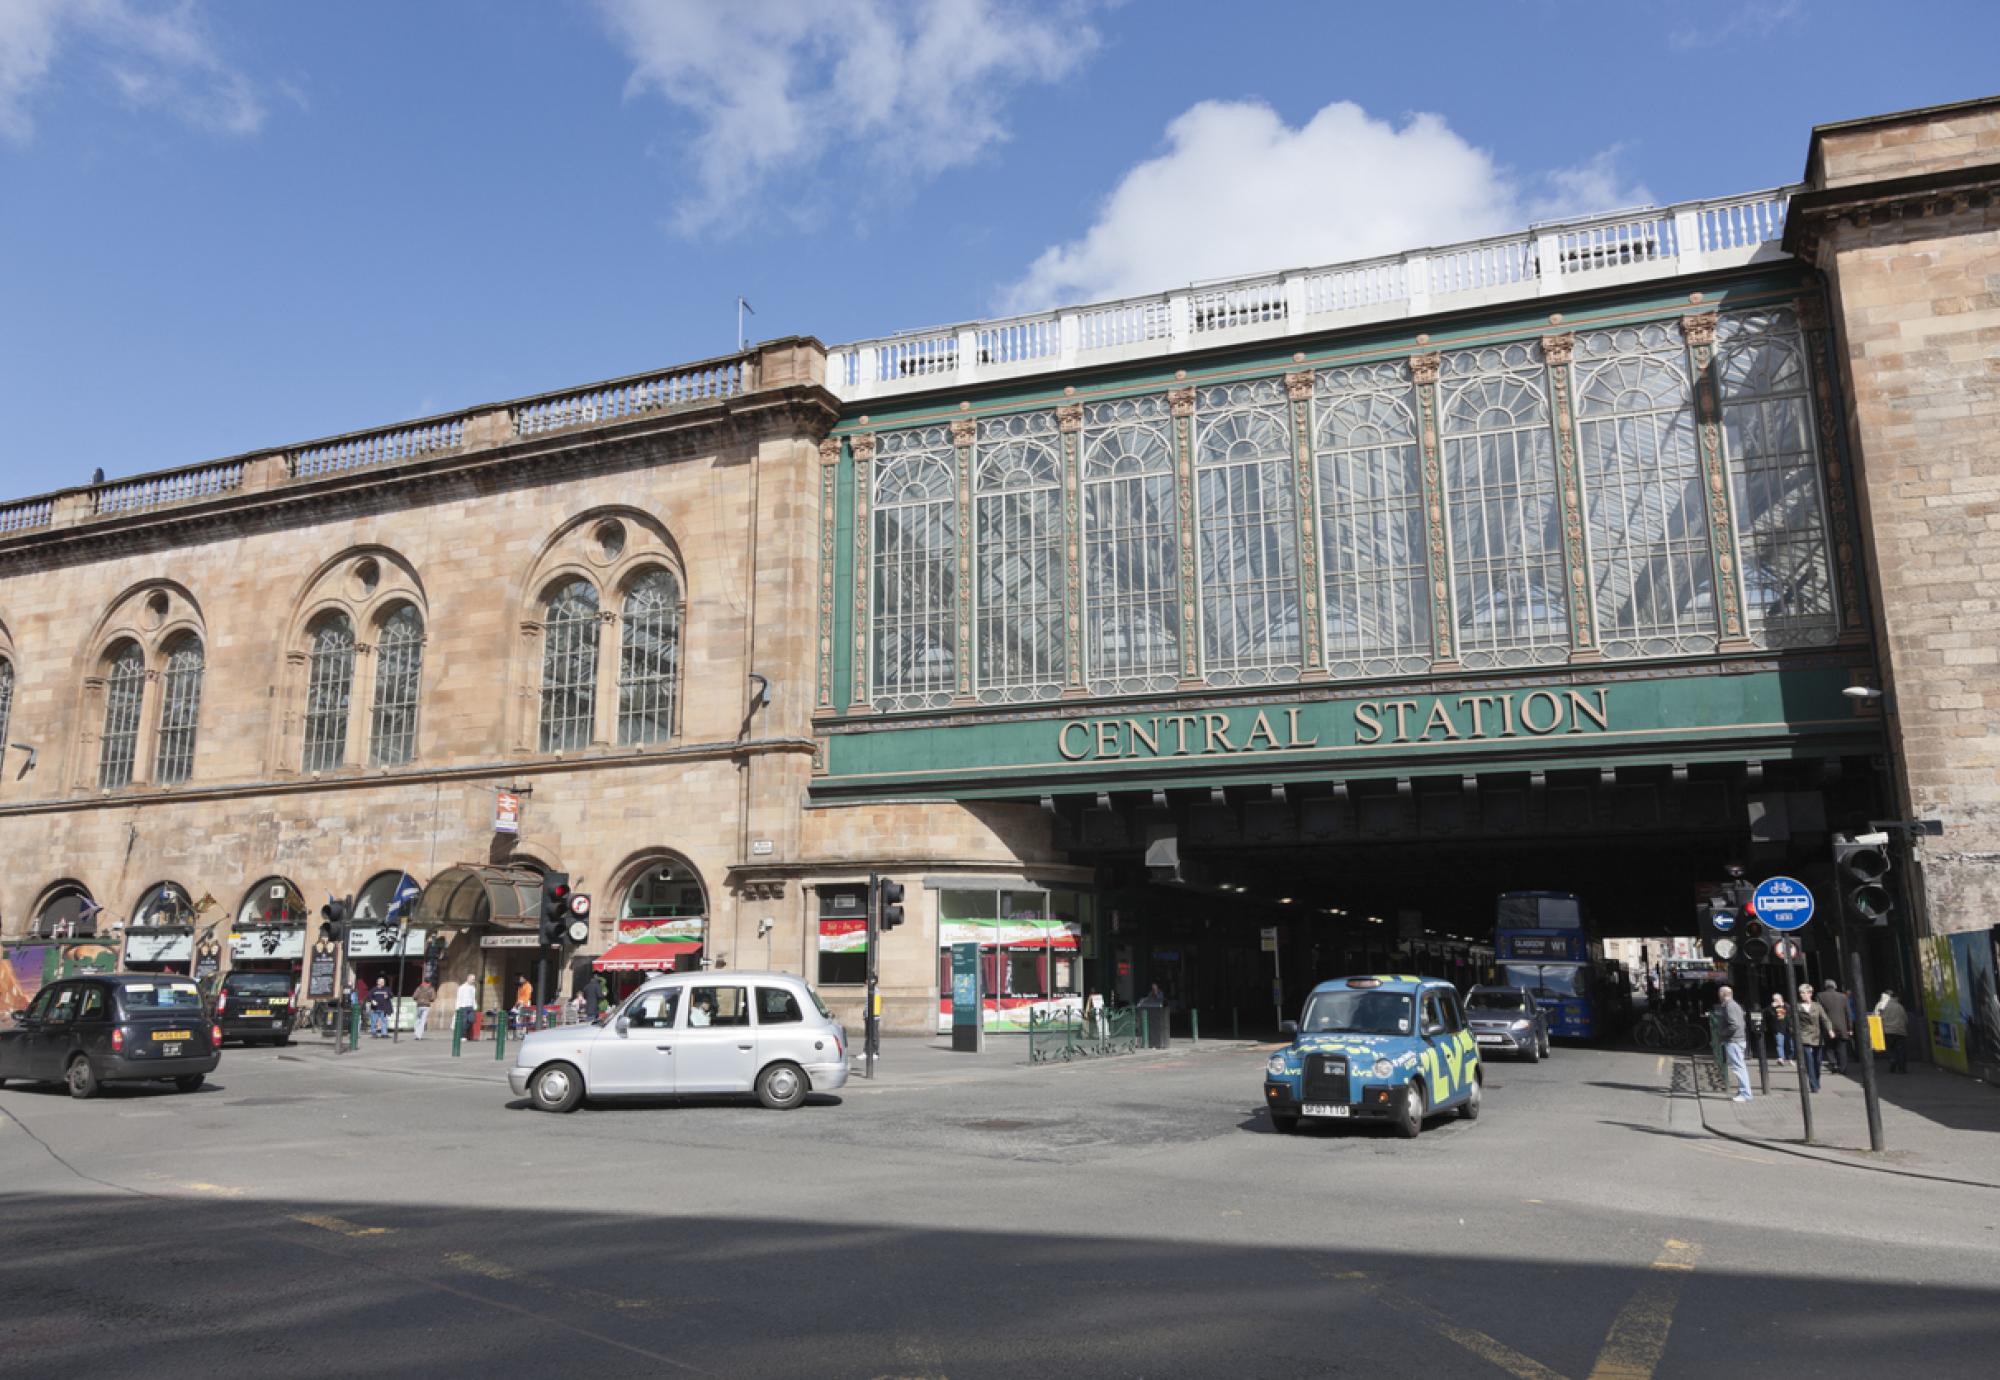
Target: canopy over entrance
<point>506,897</point>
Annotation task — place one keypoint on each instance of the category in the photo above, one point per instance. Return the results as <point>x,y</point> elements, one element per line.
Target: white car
<point>691,1033</point>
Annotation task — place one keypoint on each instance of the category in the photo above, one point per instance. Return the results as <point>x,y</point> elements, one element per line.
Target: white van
<point>719,1031</point>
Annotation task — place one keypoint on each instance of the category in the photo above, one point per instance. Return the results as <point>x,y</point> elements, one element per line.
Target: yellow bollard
<point>1875,1040</point>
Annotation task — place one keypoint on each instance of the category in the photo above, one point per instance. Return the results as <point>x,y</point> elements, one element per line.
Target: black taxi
<point>255,1008</point>
<point>112,1028</point>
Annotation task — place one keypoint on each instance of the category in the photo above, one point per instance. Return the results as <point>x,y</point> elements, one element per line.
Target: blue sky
<point>231,226</point>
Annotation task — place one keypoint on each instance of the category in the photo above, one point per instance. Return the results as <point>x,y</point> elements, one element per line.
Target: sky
<point>229,226</point>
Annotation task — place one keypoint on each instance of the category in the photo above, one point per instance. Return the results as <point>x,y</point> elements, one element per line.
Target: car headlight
<point>1277,1067</point>
<point>1383,1068</point>
<point>1522,1025</point>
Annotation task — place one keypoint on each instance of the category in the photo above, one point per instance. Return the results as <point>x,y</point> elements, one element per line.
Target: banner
<point>678,929</point>
<point>251,945</point>
<point>144,947</point>
<point>373,941</point>
<point>843,936</point>
<point>1054,934</point>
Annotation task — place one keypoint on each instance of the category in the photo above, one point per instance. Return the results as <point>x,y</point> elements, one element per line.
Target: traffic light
<point>1863,866</point>
<point>335,913</point>
<point>555,908</point>
<point>1718,932</point>
<point>890,896</point>
<point>1755,944</point>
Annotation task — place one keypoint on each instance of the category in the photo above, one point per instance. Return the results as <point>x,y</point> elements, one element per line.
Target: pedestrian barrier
<point>1061,1036</point>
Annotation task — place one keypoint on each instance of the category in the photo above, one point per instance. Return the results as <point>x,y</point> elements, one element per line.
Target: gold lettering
<point>1062,741</point>
<point>1438,719</point>
<point>1180,723</point>
<point>1292,731</point>
<point>1579,709</point>
<point>1368,715</point>
<point>1261,727</point>
<point>1139,735</point>
<point>1507,716</point>
<point>1107,738</point>
<point>1555,712</point>
<point>1215,728</point>
<point>1477,704</point>
<point>1402,708</point>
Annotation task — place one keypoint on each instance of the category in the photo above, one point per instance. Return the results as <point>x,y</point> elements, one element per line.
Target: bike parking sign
<point>1783,903</point>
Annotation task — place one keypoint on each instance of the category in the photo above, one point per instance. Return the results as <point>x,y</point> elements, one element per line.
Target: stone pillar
<point>1069,421</point>
<point>1181,402</point>
<point>1299,390</point>
<point>1698,329</point>
<point>963,432</point>
<point>862,447</point>
<point>1820,363</point>
<point>1437,558</point>
<point>1557,352</point>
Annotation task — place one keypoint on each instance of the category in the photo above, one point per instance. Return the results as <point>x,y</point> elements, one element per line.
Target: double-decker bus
<point>1542,945</point>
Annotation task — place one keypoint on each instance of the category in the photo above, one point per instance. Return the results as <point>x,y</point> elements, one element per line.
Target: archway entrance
<point>661,924</point>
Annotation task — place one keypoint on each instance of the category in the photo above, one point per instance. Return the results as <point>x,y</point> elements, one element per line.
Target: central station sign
<point>1417,719</point>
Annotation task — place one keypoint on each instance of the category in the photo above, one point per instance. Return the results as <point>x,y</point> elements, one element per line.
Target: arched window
<point>329,688</point>
<point>66,911</point>
<point>569,667</point>
<point>272,901</point>
<point>1131,583</point>
<point>1504,509</point>
<point>916,569</point>
<point>124,696</point>
<point>1649,560</point>
<point>1017,524</point>
<point>6,699</point>
<point>1371,522</point>
<point>180,706</point>
<point>649,658</point>
<point>399,669</point>
<point>665,889</point>
<point>166,903</point>
<point>1245,508</point>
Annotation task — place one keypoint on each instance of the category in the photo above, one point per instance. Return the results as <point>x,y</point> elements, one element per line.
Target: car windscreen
<point>1546,979</point>
<point>139,999</point>
<point>1494,1001</point>
<point>1363,1013</point>
<point>258,984</point>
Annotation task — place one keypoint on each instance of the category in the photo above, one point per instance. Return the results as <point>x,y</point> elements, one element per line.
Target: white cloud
<point>154,55</point>
<point>1239,191</point>
<point>909,88</point>
<point>1752,19</point>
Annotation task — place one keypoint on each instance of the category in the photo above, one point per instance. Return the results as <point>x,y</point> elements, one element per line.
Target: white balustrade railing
<point>156,491</point>
<point>26,517</point>
<point>1640,244</point>
<point>378,448</point>
<point>633,397</point>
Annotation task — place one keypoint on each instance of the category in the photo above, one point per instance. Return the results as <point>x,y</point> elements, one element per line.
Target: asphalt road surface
<point>1135,1217</point>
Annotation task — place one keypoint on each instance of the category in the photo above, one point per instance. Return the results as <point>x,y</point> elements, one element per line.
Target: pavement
<point>960,1216</point>
<point>1934,1124</point>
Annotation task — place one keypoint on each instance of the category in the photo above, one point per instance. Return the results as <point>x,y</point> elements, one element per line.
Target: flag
<point>405,896</point>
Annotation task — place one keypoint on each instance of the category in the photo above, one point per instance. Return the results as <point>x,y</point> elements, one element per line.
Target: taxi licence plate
<point>173,1035</point>
<point>263,1011</point>
<point>1327,1109</point>
<point>1492,1039</point>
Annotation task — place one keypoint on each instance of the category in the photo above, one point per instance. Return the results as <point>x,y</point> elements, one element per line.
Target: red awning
<point>639,958</point>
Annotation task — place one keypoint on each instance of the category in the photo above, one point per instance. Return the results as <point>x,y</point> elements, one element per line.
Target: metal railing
<point>1063,1035</point>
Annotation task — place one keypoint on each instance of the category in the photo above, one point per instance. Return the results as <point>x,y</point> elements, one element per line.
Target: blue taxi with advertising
<point>1392,1049</point>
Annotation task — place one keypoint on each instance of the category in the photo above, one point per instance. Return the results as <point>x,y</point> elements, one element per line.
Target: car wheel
<point>190,1082</point>
<point>1413,1113</point>
<point>1470,1111</point>
<point>1284,1125</point>
<point>1534,1054</point>
<point>82,1079</point>
<point>781,1087</point>
<point>556,1088</point>
<point>1545,1044</point>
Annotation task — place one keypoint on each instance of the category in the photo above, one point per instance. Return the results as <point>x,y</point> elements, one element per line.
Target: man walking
<point>467,1005</point>
<point>1840,1020</point>
<point>1895,1031</point>
<point>426,997</point>
<point>380,1004</point>
<point>1734,1037</point>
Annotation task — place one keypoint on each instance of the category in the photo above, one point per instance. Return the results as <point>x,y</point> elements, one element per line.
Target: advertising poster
<point>1020,956</point>
<point>320,977</point>
<point>843,936</point>
<point>1972,961</point>
<point>1942,1007</point>
<point>24,968</point>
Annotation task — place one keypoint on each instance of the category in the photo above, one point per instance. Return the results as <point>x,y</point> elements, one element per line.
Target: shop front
<point>1033,945</point>
<point>270,931</point>
<point>479,924</point>
<point>644,947</point>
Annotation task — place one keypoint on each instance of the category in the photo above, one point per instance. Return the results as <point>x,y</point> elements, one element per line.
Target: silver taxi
<point>691,1033</point>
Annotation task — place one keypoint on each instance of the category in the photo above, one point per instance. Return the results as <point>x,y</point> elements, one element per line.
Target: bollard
<point>1145,1029</point>
<point>500,1038</point>
<point>1194,1025</point>
<point>354,1027</point>
<point>457,1030</point>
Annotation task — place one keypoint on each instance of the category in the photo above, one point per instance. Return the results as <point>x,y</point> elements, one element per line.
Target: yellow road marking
<point>340,1225</point>
<point>1638,1336</point>
<point>1488,1349</point>
<point>493,1269</point>
<point>215,1188</point>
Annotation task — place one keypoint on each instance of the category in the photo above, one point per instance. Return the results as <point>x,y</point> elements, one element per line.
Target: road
<point>1135,1217</point>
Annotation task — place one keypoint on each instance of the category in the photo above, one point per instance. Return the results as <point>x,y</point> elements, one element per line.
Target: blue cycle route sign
<point>1783,903</point>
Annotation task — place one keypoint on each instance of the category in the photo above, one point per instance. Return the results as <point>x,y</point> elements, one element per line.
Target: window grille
<point>569,667</point>
<point>124,694</point>
<point>399,673</point>
<point>1017,519</point>
<point>1131,589</point>
<point>329,687</point>
<point>649,659</point>
<point>1371,522</point>
<point>1647,523</point>
<point>1247,549</point>
<point>915,589</point>
<point>180,707</point>
<point>1503,508</point>
<point>1767,428</point>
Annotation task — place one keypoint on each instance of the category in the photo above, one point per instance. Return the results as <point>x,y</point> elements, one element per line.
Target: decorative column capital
<point>829,451</point>
<point>1559,348</point>
<point>1299,385</point>
<point>1424,368</point>
<point>1180,401</point>
<point>962,430</point>
<point>1069,417</point>
<point>1699,327</point>
<point>862,443</point>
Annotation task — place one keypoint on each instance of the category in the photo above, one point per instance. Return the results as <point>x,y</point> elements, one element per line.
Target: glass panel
<point>916,571</point>
<point>1017,546</point>
<point>399,669</point>
<point>665,890</point>
<point>1768,433</point>
<point>124,693</point>
<point>329,684</point>
<point>1503,509</point>
<point>1650,566</point>
<point>1247,556</point>
<point>1371,522</point>
<point>569,668</point>
<point>649,659</point>
<point>1131,589</point>
<point>180,705</point>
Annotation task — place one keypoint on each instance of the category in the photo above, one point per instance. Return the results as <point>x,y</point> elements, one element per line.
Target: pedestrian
<point>524,1003</point>
<point>380,1003</point>
<point>593,997</point>
<point>1734,1034</point>
<point>1895,1031</point>
<point>467,1006</point>
<point>426,997</point>
<point>1782,1034</point>
<point>1840,1019</point>
<point>1814,1031</point>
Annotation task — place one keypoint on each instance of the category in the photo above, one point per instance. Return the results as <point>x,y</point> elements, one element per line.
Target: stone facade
<point>1902,215</point>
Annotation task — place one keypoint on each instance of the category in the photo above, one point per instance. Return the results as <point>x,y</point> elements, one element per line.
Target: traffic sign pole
<point>1792,1019</point>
